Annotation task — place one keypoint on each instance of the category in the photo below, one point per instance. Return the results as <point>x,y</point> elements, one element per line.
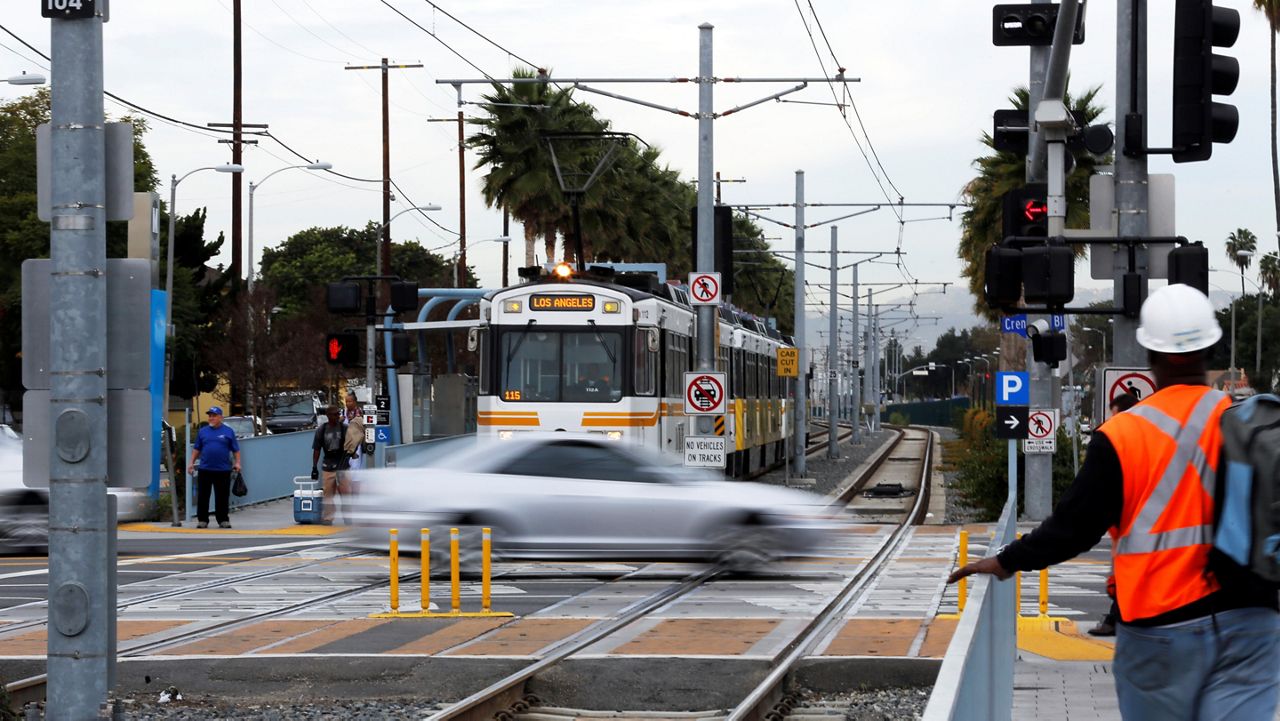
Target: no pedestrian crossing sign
<point>704,451</point>
<point>1013,388</point>
<point>704,394</point>
<point>1137,382</point>
<point>704,288</point>
<point>1042,431</point>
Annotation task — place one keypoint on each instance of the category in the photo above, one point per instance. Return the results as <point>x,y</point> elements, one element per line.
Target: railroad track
<point>506,699</point>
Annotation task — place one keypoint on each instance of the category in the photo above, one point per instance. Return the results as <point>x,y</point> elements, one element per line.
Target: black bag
<point>238,487</point>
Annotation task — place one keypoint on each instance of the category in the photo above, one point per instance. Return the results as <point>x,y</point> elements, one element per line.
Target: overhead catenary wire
<point>437,38</point>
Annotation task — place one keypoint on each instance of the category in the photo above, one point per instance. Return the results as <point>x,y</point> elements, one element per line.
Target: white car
<point>570,496</point>
<point>24,512</point>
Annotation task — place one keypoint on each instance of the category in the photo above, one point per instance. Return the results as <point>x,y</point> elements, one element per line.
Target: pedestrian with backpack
<point>329,459</point>
<point>1193,643</point>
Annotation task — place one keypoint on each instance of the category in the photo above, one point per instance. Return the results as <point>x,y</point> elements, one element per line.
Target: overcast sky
<point>930,79</point>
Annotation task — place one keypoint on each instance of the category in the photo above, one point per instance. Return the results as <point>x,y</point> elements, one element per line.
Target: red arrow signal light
<point>1035,210</point>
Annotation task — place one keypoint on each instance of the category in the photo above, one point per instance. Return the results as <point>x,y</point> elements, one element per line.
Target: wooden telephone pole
<point>384,254</point>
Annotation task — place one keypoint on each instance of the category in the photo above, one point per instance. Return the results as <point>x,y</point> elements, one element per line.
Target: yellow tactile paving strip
<point>36,643</point>
<point>699,637</point>
<point>1061,640</point>
<point>326,633</point>
<point>244,640</point>
<point>938,637</point>
<point>298,530</point>
<point>524,637</point>
<point>453,634</point>
<point>874,637</point>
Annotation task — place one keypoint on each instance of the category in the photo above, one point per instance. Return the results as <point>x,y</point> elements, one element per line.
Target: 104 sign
<point>70,9</point>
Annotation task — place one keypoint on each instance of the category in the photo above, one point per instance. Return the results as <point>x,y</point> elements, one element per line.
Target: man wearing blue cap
<point>219,454</point>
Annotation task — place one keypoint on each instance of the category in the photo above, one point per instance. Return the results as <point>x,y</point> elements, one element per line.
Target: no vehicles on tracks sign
<point>704,394</point>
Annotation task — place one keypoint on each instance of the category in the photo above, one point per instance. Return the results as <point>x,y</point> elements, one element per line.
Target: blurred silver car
<point>24,512</point>
<point>567,496</point>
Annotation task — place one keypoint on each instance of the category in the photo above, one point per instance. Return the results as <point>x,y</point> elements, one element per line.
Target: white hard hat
<point>1178,319</point>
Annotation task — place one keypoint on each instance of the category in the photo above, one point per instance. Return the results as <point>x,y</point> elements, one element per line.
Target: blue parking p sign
<point>1013,388</point>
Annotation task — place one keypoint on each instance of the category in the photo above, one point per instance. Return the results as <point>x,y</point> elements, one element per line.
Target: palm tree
<point>1269,273</point>
<point>1241,245</point>
<point>511,144</point>
<point>1271,9</point>
<point>1004,171</point>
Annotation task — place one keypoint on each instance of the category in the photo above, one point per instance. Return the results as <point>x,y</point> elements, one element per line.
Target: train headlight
<point>613,435</point>
<point>512,306</point>
<point>563,271</point>
<point>612,306</point>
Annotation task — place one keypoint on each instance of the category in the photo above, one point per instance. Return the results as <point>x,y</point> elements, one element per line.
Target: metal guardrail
<point>976,679</point>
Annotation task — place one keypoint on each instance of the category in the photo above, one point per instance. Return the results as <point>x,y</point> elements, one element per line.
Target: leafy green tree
<point>1269,273</point>
<point>1003,171</point>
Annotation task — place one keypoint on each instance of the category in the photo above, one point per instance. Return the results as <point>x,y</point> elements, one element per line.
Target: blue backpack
<point>1246,529</point>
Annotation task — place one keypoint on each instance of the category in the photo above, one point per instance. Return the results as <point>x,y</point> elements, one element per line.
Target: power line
<point>479,34</point>
<point>836,96</point>
<point>448,47</point>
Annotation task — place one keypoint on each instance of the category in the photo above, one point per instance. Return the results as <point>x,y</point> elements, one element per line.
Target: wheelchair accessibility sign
<point>382,434</point>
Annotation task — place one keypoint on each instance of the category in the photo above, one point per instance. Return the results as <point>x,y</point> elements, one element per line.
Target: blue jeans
<point>1197,672</point>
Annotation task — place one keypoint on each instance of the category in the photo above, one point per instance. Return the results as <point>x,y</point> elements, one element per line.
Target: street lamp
<point>25,79</point>
<point>1102,333</point>
<point>506,243</point>
<point>174,180</point>
<point>254,186</point>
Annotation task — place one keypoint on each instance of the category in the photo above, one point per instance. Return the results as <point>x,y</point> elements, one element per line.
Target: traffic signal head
<point>1048,274</point>
<point>400,351</point>
<point>1189,265</point>
<point>1026,211</point>
<point>1198,74</point>
<point>342,349</point>
<point>1003,277</point>
<point>1025,24</point>
<point>404,296</point>
<point>343,298</point>
<point>1049,348</point>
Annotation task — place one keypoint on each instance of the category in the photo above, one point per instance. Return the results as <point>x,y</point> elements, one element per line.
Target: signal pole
<point>81,554</point>
<point>801,436</point>
<point>1131,169</point>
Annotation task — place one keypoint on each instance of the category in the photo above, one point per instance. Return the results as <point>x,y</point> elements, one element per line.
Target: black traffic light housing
<point>1189,265</point>
<point>344,298</point>
<point>342,349</point>
<point>1048,274</point>
<point>1049,348</point>
<point>1198,74</point>
<point>400,350</point>
<point>1023,24</point>
<point>722,255</point>
<point>404,296</point>
<point>1026,211</point>
<point>1003,277</point>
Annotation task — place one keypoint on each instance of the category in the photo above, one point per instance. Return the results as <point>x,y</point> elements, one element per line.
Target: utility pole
<point>833,350</point>
<point>384,253</point>
<point>81,555</point>
<point>707,314</point>
<point>802,405</point>
<point>1131,169</point>
<point>460,270</point>
<point>855,389</point>
<point>237,140</point>
<point>506,247</point>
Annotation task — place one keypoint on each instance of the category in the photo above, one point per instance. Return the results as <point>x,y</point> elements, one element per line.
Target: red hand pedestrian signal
<point>342,349</point>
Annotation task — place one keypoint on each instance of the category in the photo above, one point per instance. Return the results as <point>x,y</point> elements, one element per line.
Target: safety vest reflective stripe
<point>1187,454</point>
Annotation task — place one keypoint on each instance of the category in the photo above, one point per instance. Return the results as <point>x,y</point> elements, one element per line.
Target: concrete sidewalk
<point>273,518</point>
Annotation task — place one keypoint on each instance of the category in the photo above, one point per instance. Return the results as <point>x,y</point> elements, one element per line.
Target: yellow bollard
<point>455,572</point>
<point>395,572</point>
<point>426,570</point>
<point>485,547</point>
<point>1044,592</point>
<point>963,561</point>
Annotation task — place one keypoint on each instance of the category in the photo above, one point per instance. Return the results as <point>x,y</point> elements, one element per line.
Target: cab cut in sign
<point>562,302</point>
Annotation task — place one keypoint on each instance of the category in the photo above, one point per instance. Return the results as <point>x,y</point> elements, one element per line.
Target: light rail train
<point>607,353</point>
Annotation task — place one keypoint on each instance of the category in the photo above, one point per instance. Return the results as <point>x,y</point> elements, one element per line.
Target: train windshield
<point>574,366</point>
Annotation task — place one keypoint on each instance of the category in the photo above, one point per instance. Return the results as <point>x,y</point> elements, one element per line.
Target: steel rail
<point>824,622</point>
<point>502,689</point>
